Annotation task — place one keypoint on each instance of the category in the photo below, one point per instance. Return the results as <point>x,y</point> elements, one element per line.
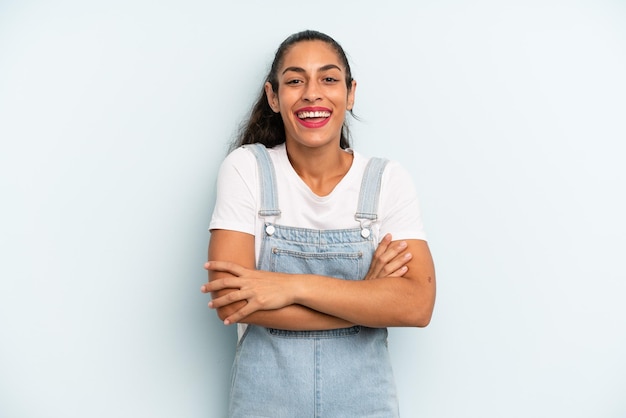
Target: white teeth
<point>316,114</point>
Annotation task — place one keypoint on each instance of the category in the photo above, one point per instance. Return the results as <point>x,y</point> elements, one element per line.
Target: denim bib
<point>314,374</point>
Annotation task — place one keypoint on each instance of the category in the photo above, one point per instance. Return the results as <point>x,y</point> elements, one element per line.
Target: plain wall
<point>115,115</point>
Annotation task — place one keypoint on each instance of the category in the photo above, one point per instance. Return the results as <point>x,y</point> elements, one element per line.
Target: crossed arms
<point>398,290</point>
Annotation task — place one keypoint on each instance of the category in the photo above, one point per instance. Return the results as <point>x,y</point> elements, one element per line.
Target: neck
<point>321,168</point>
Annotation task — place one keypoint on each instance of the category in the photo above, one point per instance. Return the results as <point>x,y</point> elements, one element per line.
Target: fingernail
<point>402,244</point>
<point>407,256</point>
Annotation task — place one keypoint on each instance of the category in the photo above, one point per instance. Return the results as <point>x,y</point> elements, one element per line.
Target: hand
<point>389,259</point>
<point>261,289</point>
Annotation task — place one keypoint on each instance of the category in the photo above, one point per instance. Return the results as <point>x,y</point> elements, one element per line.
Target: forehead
<point>311,55</point>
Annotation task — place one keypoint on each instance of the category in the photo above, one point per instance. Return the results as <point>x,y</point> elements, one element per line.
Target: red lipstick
<point>313,116</point>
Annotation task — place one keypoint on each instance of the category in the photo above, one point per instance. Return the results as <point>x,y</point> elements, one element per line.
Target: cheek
<point>340,98</point>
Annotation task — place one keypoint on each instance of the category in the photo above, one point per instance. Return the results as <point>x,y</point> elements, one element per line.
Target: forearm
<point>296,318</point>
<point>292,317</point>
<point>384,302</point>
<point>406,300</point>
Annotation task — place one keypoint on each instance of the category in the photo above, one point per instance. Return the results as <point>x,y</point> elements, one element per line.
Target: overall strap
<point>267,179</point>
<point>367,209</point>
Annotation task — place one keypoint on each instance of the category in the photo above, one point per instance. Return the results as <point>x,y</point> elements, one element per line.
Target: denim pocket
<point>340,265</point>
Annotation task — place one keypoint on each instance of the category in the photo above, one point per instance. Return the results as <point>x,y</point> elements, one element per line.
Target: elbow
<point>415,318</point>
<point>420,316</point>
<point>422,310</point>
<point>419,320</point>
<point>423,321</point>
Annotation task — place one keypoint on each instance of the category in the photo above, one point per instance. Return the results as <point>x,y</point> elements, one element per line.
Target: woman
<point>301,253</point>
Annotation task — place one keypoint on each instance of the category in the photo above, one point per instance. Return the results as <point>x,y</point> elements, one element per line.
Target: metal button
<point>269,229</point>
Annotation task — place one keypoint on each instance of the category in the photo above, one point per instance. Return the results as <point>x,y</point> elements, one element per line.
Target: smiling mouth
<point>313,115</point>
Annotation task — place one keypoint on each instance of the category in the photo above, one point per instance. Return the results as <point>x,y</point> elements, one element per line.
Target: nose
<point>311,92</point>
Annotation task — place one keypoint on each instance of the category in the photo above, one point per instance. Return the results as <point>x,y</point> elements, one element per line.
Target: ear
<point>272,98</point>
<point>351,96</point>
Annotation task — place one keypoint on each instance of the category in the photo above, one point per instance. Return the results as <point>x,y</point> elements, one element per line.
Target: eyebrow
<point>302,70</point>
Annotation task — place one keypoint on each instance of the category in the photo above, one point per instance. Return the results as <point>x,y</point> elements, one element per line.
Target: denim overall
<point>314,374</point>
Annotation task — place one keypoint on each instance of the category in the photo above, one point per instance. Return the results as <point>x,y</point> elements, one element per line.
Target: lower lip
<point>312,125</point>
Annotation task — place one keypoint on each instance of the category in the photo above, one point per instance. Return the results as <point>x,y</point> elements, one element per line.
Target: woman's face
<point>312,94</point>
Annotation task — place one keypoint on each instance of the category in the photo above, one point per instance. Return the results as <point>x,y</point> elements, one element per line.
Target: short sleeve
<point>400,211</point>
<point>237,189</point>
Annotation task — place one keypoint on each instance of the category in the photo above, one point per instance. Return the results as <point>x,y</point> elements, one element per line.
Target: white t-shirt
<point>238,199</point>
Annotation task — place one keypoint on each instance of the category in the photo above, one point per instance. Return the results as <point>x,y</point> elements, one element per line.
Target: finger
<point>392,251</point>
<point>399,273</point>
<point>232,297</point>
<point>241,314</point>
<point>225,266</point>
<point>213,286</point>
<point>398,262</point>
<point>383,245</point>
<point>380,263</point>
<point>221,284</point>
<point>380,256</point>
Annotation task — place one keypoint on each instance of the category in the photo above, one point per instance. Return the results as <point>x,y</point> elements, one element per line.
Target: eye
<point>294,82</point>
<point>330,80</point>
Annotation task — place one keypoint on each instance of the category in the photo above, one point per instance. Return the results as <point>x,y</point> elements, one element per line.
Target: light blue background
<point>115,115</point>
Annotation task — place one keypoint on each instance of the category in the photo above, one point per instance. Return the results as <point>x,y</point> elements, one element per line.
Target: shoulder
<point>397,182</point>
<point>237,172</point>
<point>393,170</point>
<point>241,156</point>
<point>245,155</point>
<point>241,163</point>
